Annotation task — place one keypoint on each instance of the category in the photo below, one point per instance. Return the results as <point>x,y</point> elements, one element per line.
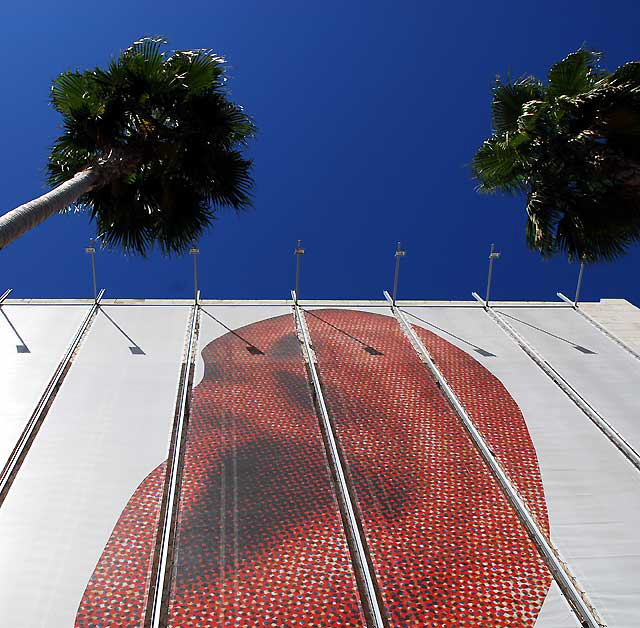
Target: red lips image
<point>260,540</point>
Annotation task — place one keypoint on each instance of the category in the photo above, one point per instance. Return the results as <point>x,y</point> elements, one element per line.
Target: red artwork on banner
<point>259,538</point>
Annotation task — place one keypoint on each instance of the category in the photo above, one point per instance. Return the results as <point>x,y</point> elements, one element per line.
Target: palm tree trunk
<point>19,220</point>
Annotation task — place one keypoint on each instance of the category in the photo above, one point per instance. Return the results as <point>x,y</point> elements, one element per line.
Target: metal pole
<point>91,249</point>
<point>492,255</point>
<point>575,301</point>
<point>299,252</point>
<point>194,251</point>
<point>399,253</point>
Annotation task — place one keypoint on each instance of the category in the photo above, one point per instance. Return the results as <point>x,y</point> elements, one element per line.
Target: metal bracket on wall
<point>21,449</point>
<point>157,601</point>
<point>600,422</point>
<point>334,458</point>
<point>5,294</point>
<point>559,569</point>
<point>599,327</point>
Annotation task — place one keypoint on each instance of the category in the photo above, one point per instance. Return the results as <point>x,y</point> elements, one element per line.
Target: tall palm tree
<point>151,148</point>
<point>572,146</point>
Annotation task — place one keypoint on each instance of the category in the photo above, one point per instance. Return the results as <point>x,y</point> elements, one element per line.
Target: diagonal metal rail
<point>600,327</point>
<point>559,569</point>
<point>351,522</point>
<point>21,449</point>
<point>599,421</point>
<point>5,294</point>
<point>160,585</point>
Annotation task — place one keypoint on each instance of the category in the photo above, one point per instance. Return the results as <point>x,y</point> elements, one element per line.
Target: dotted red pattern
<point>447,548</point>
<point>117,591</point>
<point>260,541</point>
<point>496,415</point>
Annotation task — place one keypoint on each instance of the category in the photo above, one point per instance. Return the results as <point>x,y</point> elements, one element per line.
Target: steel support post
<point>299,252</point>
<point>195,251</point>
<point>398,254</point>
<point>492,256</point>
<point>91,249</point>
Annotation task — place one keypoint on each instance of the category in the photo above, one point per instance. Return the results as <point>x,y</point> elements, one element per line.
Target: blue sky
<point>368,115</point>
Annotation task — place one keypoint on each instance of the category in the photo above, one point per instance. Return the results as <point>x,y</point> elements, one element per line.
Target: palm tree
<point>572,146</point>
<point>151,148</point>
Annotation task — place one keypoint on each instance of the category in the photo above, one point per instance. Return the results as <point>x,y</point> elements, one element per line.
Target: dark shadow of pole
<point>251,348</point>
<point>22,347</point>
<point>367,348</point>
<point>544,331</point>
<point>480,350</point>
<point>134,348</point>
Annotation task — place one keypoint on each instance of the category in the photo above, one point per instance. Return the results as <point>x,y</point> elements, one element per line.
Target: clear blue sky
<point>368,115</point>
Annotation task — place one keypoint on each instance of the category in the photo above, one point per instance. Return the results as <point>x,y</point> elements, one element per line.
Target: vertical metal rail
<point>600,327</point>
<point>91,249</point>
<point>159,589</point>
<point>600,422</point>
<point>559,569</point>
<point>194,250</point>
<point>299,252</point>
<point>21,449</point>
<point>398,254</point>
<point>493,255</point>
<point>579,285</point>
<point>352,522</point>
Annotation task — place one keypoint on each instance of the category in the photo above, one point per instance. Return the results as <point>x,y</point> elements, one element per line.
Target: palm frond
<point>166,138</point>
<point>575,74</point>
<point>627,74</point>
<point>508,101</point>
<point>498,164</point>
<point>198,70</point>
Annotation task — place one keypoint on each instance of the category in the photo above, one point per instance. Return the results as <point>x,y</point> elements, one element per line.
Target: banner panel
<point>592,493</point>
<point>446,546</point>
<point>606,375</point>
<point>260,539</point>
<point>106,431</point>
<point>33,339</point>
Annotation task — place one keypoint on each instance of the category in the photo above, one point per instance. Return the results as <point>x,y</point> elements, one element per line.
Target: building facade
<point>262,463</point>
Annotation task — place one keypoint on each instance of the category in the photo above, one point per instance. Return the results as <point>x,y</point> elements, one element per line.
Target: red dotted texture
<point>260,539</point>
<point>497,417</point>
<point>260,542</point>
<point>116,594</point>
<point>446,546</point>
